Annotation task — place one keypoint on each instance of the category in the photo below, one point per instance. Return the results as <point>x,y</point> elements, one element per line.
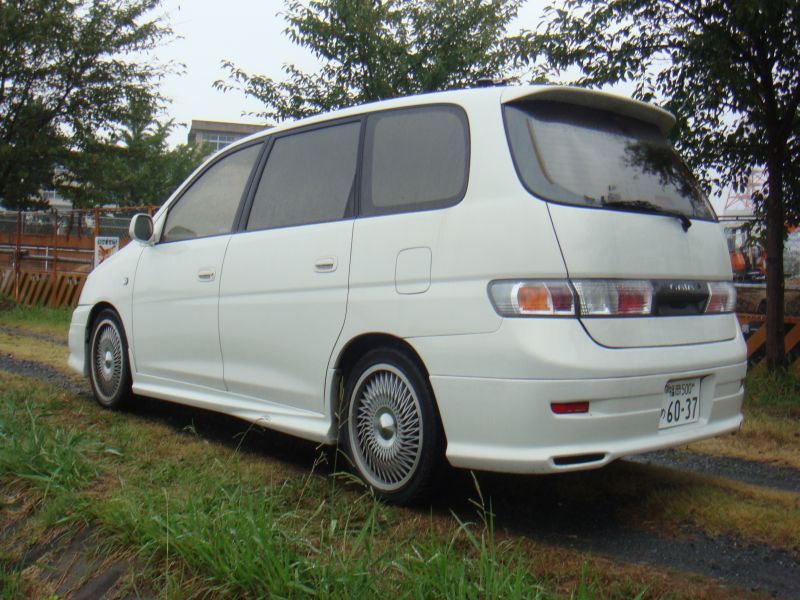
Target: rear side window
<point>578,155</point>
<point>308,178</point>
<point>209,206</point>
<point>415,159</point>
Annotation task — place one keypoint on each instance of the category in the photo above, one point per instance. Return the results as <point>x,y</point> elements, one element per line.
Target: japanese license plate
<point>681,403</point>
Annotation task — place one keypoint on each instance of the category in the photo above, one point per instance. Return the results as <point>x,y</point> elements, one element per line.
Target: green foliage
<point>51,460</point>
<point>11,584</point>
<point>67,68</point>
<point>40,317</point>
<point>730,72</point>
<point>374,50</point>
<point>131,166</point>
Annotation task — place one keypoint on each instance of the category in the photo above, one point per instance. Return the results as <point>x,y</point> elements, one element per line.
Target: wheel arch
<point>357,347</point>
<point>96,310</point>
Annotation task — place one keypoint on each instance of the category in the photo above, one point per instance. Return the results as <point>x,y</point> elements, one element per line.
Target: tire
<point>390,428</point>
<point>109,369</point>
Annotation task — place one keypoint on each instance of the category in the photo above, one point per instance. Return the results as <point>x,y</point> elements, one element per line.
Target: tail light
<point>721,297</point>
<point>532,298</point>
<point>604,297</point>
<point>594,297</point>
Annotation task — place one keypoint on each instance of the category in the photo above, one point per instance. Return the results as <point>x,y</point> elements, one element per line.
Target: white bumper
<point>496,412</point>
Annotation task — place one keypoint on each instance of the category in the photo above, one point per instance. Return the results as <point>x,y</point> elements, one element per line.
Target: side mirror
<point>141,228</point>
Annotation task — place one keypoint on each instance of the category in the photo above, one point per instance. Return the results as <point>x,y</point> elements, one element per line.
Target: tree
<point>132,166</point>
<point>66,71</point>
<point>728,69</point>
<point>373,50</point>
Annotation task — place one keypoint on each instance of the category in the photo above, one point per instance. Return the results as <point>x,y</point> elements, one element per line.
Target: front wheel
<point>391,429</point>
<point>109,369</point>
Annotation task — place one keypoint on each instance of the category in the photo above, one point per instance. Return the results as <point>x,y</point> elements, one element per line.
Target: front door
<point>176,287</point>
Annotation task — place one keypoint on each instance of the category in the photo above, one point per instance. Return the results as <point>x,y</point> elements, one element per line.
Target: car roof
<point>497,94</point>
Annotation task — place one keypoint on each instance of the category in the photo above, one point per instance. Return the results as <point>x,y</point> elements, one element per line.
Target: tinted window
<point>209,206</point>
<point>415,159</point>
<point>308,178</point>
<point>590,157</point>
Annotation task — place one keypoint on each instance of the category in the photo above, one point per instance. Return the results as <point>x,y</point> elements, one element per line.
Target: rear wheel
<point>390,428</point>
<point>109,369</point>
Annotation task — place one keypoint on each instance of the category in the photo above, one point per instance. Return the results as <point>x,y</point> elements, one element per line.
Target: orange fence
<point>60,241</point>
<point>45,256</point>
<point>56,289</point>
<point>757,339</point>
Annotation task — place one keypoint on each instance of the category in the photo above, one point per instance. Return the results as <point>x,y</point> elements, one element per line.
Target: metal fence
<point>45,255</point>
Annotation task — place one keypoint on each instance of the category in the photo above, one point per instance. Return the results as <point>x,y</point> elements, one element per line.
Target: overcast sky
<point>248,32</point>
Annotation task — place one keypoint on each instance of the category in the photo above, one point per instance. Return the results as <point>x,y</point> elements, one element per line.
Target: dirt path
<point>537,507</point>
<point>746,471</point>
<point>45,337</point>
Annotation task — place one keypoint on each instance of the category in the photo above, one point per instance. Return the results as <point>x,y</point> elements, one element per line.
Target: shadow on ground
<point>592,511</point>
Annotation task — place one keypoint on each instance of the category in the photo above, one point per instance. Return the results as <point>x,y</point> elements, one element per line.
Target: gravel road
<point>747,471</point>
<point>534,506</point>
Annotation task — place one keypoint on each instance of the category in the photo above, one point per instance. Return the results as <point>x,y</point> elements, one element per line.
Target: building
<point>219,134</point>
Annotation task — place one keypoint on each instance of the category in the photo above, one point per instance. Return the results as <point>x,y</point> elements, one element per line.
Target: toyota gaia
<point>516,279</point>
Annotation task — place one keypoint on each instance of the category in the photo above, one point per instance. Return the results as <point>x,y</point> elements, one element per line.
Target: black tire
<point>390,427</point>
<point>109,369</point>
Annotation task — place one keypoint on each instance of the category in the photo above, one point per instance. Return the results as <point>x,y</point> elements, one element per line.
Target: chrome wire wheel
<point>108,361</point>
<point>385,427</point>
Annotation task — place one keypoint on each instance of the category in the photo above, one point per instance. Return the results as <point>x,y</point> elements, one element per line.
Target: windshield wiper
<point>644,206</point>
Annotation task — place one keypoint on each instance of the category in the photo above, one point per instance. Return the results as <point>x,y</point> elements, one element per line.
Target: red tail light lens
<point>609,297</point>
<point>532,298</point>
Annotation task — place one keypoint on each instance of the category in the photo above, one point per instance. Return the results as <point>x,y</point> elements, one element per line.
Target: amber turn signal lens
<point>534,299</point>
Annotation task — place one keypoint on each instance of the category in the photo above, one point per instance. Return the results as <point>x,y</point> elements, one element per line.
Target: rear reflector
<point>569,408</point>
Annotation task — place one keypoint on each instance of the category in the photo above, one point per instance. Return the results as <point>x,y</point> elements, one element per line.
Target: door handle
<point>206,274</point>
<point>326,264</point>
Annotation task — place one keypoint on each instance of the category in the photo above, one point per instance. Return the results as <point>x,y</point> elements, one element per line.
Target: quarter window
<point>209,206</point>
<point>308,178</point>
<point>415,159</point>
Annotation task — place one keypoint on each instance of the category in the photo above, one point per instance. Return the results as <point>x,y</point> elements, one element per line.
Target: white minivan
<point>519,279</point>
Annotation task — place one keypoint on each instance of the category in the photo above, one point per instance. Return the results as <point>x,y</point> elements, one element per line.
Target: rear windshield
<point>577,155</point>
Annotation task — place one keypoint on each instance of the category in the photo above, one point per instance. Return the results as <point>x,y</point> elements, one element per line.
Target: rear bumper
<point>507,425</point>
<point>495,399</point>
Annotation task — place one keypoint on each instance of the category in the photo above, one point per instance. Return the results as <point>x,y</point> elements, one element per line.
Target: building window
<point>218,141</point>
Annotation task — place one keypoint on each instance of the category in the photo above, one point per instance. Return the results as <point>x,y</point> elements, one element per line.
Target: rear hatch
<point>624,206</point>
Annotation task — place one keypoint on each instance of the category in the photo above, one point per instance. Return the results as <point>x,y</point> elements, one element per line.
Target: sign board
<point>104,246</point>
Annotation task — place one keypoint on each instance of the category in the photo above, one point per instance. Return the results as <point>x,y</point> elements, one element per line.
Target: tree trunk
<point>776,357</point>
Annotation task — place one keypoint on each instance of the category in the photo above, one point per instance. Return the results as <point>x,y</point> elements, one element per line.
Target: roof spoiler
<point>593,99</point>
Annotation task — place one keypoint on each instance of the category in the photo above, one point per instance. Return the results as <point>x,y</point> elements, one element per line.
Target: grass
<point>11,585</point>
<point>771,429</point>
<point>208,518</point>
<point>211,520</point>
<point>213,516</point>
<point>40,319</point>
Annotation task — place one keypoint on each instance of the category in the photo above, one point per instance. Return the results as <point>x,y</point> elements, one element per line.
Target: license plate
<point>681,403</point>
